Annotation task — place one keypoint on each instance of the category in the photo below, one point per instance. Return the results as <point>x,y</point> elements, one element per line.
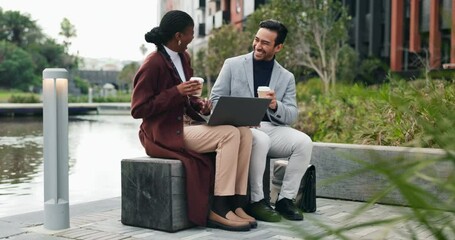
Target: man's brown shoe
<point>228,222</point>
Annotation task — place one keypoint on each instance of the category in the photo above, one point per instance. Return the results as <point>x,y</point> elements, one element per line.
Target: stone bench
<point>153,189</point>
<point>153,194</point>
<point>333,160</point>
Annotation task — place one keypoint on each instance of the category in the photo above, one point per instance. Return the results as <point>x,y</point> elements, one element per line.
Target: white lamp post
<point>55,133</point>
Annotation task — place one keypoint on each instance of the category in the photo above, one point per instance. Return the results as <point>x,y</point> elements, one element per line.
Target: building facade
<point>400,32</point>
<point>211,14</point>
<point>403,31</point>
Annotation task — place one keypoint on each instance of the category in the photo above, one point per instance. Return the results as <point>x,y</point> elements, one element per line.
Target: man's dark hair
<point>276,26</point>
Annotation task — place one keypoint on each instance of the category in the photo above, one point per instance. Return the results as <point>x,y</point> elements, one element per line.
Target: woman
<point>171,128</point>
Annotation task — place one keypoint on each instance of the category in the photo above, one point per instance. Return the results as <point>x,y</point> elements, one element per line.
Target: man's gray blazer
<point>236,79</point>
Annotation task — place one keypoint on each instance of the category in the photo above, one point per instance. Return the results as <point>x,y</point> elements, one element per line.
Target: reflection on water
<point>97,144</point>
<point>15,138</point>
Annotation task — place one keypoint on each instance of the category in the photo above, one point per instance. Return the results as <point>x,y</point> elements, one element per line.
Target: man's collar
<point>264,62</point>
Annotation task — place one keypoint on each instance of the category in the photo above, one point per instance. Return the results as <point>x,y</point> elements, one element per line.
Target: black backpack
<point>306,197</point>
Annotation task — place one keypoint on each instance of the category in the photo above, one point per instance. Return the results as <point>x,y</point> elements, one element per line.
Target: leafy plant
<point>16,67</point>
<point>416,113</point>
<point>393,114</point>
<point>224,42</point>
<point>82,84</point>
<point>24,98</point>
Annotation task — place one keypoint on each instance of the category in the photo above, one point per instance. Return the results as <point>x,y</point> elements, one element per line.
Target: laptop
<point>238,111</point>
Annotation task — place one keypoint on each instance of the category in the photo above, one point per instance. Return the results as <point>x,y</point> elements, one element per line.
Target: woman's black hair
<point>172,22</point>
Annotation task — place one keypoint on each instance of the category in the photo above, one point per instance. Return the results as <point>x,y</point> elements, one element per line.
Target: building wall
<point>396,31</point>
<point>403,31</point>
<point>209,15</point>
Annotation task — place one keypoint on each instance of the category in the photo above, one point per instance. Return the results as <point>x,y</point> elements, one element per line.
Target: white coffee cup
<point>198,93</point>
<point>263,91</point>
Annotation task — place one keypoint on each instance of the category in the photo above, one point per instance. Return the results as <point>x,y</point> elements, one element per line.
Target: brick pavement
<point>101,220</point>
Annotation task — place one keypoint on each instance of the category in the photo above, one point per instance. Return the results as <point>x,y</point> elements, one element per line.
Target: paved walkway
<point>101,220</point>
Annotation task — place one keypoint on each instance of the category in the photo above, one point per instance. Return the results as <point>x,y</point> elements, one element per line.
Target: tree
<point>18,28</point>
<point>16,68</point>
<point>287,12</point>
<point>20,36</point>
<point>143,49</point>
<point>126,76</point>
<point>224,42</point>
<point>200,67</point>
<point>68,31</point>
<point>324,34</point>
<point>318,33</point>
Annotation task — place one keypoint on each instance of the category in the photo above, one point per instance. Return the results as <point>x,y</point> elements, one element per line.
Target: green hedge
<point>392,114</point>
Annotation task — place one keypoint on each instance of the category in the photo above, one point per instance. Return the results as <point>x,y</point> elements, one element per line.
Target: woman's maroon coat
<point>157,101</point>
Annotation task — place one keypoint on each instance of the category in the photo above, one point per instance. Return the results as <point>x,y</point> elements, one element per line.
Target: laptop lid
<point>239,111</point>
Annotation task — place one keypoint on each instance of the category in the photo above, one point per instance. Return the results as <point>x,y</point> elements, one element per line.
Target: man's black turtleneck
<point>262,71</point>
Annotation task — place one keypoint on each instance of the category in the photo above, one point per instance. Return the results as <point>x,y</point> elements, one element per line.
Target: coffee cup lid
<point>201,80</point>
<point>263,88</point>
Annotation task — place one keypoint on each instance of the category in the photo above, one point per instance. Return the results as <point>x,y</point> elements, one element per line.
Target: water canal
<point>97,144</point>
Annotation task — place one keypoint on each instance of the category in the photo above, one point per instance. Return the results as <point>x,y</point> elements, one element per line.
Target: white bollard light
<point>90,95</point>
<point>55,133</point>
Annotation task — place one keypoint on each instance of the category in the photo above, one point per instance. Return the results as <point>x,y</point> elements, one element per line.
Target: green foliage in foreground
<point>414,113</point>
<point>399,113</point>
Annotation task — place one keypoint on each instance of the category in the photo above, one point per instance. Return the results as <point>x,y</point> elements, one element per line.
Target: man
<point>240,76</point>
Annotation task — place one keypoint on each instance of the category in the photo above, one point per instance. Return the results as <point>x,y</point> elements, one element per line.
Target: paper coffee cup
<point>198,93</point>
<point>263,91</point>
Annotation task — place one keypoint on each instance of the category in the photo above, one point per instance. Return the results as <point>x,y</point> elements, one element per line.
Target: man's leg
<point>297,146</point>
<point>261,145</point>
<point>259,208</point>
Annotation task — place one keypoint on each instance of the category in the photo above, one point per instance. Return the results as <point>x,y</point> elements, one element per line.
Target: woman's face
<point>186,37</point>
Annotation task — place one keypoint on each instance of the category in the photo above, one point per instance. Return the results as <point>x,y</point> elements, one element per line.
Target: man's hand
<point>271,95</point>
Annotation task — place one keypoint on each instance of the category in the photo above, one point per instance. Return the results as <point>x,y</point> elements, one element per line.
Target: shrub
<point>82,84</point>
<point>24,98</point>
<point>392,114</point>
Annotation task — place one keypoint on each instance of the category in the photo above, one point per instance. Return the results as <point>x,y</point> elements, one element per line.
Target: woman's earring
<point>180,42</point>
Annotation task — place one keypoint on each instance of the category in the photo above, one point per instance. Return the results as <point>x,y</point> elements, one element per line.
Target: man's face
<point>264,45</point>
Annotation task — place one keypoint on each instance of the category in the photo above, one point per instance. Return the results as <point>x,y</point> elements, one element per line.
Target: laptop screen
<point>239,111</point>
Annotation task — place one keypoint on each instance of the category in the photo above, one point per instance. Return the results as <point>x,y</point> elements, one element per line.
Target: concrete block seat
<point>153,194</point>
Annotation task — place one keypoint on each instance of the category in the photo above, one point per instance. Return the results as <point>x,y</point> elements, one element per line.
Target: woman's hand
<point>206,106</point>
<point>188,87</point>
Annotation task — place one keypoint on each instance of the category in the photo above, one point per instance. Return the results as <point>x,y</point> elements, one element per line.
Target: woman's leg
<point>223,139</point>
<point>246,140</point>
<point>226,141</point>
